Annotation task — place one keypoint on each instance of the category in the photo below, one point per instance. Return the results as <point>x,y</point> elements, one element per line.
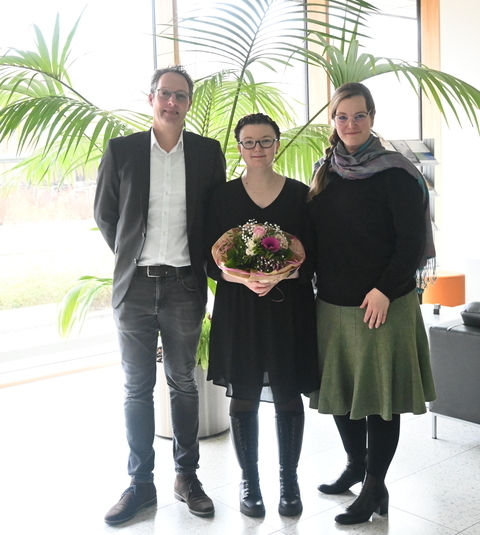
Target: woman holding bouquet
<point>263,340</point>
<point>369,207</point>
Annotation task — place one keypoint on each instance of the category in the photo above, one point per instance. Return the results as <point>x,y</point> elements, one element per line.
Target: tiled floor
<point>63,458</point>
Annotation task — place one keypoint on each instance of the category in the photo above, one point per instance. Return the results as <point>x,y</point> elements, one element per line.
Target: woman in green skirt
<point>370,210</point>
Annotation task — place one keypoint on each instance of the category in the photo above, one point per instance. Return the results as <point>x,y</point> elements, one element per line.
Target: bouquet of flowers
<point>258,252</point>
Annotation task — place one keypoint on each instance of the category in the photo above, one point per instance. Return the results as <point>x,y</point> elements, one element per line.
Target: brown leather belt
<point>163,271</point>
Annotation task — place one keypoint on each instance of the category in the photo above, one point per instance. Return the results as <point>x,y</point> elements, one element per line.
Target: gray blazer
<point>122,197</point>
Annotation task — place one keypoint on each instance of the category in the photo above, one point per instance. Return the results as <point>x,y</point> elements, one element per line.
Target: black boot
<point>290,438</point>
<point>354,473</point>
<point>372,499</point>
<point>244,429</point>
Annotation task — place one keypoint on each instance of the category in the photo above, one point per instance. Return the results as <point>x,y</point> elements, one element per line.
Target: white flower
<point>250,248</point>
<point>282,239</point>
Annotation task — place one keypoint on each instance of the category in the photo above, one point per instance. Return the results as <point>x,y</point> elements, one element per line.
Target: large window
<point>394,35</point>
<point>113,47</point>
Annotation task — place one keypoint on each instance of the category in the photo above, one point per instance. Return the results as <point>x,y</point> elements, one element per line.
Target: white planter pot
<point>213,406</point>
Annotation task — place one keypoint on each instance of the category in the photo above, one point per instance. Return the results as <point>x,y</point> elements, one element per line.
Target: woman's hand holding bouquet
<point>258,255</point>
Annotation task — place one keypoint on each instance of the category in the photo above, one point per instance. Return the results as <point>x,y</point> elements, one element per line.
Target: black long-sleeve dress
<point>262,347</point>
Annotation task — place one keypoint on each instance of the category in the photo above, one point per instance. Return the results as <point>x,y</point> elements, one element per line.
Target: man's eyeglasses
<point>165,94</point>
<point>358,118</point>
<point>250,144</point>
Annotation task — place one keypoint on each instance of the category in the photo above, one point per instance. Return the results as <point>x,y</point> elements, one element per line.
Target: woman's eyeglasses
<point>358,118</point>
<point>250,144</point>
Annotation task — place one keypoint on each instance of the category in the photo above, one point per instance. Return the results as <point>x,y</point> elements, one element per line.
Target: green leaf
<point>76,303</point>
<point>204,342</point>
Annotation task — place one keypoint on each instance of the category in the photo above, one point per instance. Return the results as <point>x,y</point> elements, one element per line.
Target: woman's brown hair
<point>321,178</point>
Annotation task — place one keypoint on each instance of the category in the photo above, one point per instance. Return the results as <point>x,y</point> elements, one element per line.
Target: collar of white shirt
<point>153,142</point>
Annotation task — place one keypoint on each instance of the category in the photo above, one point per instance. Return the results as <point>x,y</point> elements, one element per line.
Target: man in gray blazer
<point>151,207</point>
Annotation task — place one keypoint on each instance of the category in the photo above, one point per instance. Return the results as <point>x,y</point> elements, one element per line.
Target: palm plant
<point>62,128</point>
<point>66,130</point>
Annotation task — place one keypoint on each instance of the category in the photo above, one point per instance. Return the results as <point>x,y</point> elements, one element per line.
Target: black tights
<point>243,405</point>
<point>382,437</point>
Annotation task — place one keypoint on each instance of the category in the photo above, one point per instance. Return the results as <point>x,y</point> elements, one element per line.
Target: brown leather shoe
<point>137,496</point>
<point>188,489</point>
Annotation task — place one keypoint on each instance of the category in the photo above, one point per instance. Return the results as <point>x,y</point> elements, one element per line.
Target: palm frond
<point>245,32</point>
<point>202,354</point>
<point>222,99</point>
<point>42,167</point>
<point>42,109</point>
<point>305,146</point>
<point>266,32</point>
<point>61,123</point>
<point>41,72</point>
<point>450,94</point>
<point>77,301</point>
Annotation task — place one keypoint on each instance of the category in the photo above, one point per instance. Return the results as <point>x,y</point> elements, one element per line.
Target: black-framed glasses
<point>165,94</point>
<point>265,143</point>
<point>358,118</point>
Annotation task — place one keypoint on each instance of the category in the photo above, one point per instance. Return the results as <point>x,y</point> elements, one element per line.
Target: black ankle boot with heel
<point>354,473</point>
<point>372,499</point>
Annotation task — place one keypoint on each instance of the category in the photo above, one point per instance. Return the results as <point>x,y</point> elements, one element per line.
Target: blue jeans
<point>171,306</point>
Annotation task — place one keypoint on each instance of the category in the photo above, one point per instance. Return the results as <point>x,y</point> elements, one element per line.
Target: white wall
<point>460,187</point>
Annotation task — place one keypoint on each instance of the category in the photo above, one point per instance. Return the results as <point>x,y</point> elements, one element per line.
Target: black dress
<point>263,347</point>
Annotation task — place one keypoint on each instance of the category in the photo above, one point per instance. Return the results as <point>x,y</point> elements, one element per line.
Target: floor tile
<point>473,530</point>
<point>64,460</point>
<point>446,493</point>
<point>397,522</point>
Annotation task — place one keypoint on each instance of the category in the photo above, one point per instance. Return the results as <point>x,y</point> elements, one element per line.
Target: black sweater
<point>369,233</point>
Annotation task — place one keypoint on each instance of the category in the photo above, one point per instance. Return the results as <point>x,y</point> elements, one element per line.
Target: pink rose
<point>258,231</point>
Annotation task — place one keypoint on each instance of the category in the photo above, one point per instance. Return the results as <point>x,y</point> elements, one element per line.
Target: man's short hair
<point>177,69</point>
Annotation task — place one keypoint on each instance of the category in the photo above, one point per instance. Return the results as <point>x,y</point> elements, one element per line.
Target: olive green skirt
<point>366,371</point>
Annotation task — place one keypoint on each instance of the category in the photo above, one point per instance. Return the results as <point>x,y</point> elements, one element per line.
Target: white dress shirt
<point>166,241</point>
